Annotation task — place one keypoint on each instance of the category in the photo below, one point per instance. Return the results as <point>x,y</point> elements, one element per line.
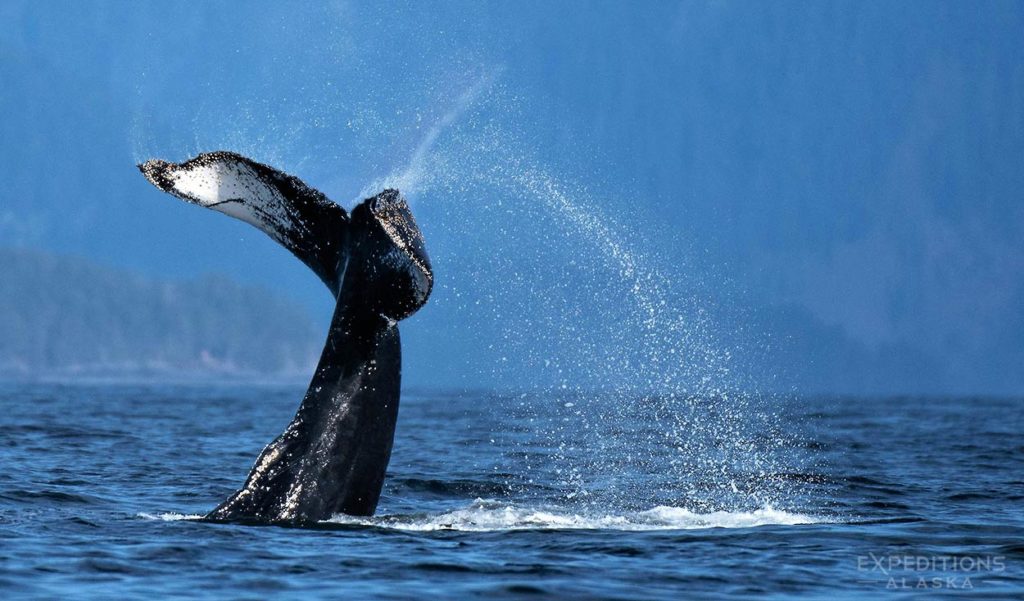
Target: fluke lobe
<point>333,456</point>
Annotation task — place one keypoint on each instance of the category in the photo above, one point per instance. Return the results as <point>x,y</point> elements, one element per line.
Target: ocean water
<point>520,495</point>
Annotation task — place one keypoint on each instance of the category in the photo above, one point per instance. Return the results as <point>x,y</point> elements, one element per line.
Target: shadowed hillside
<point>68,315</point>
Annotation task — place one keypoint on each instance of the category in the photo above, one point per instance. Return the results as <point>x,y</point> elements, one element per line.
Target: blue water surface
<point>508,496</point>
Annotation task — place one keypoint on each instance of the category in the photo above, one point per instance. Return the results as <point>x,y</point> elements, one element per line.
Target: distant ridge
<point>64,315</point>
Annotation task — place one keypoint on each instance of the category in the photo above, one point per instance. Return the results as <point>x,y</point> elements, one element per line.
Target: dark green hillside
<point>71,315</point>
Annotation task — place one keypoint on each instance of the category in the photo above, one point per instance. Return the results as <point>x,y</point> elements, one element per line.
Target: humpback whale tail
<point>333,456</point>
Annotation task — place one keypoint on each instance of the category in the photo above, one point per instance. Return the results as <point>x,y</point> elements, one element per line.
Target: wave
<point>49,497</point>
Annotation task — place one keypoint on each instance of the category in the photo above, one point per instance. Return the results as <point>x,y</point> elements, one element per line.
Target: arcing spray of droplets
<point>629,352</point>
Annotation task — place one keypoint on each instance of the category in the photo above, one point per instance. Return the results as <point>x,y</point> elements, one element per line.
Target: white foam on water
<point>169,516</point>
<point>489,516</point>
<point>493,516</point>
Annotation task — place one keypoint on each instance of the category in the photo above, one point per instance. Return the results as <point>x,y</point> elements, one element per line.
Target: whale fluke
<point>298,217</point>
<point>333,456</point>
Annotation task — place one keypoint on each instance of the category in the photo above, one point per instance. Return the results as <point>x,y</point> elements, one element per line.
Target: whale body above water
<point>333,456</point>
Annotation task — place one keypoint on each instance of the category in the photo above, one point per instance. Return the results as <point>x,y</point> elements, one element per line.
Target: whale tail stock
<point>333,456</point>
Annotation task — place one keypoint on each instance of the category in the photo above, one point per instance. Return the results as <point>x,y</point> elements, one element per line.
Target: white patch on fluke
<point>233,188</point>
